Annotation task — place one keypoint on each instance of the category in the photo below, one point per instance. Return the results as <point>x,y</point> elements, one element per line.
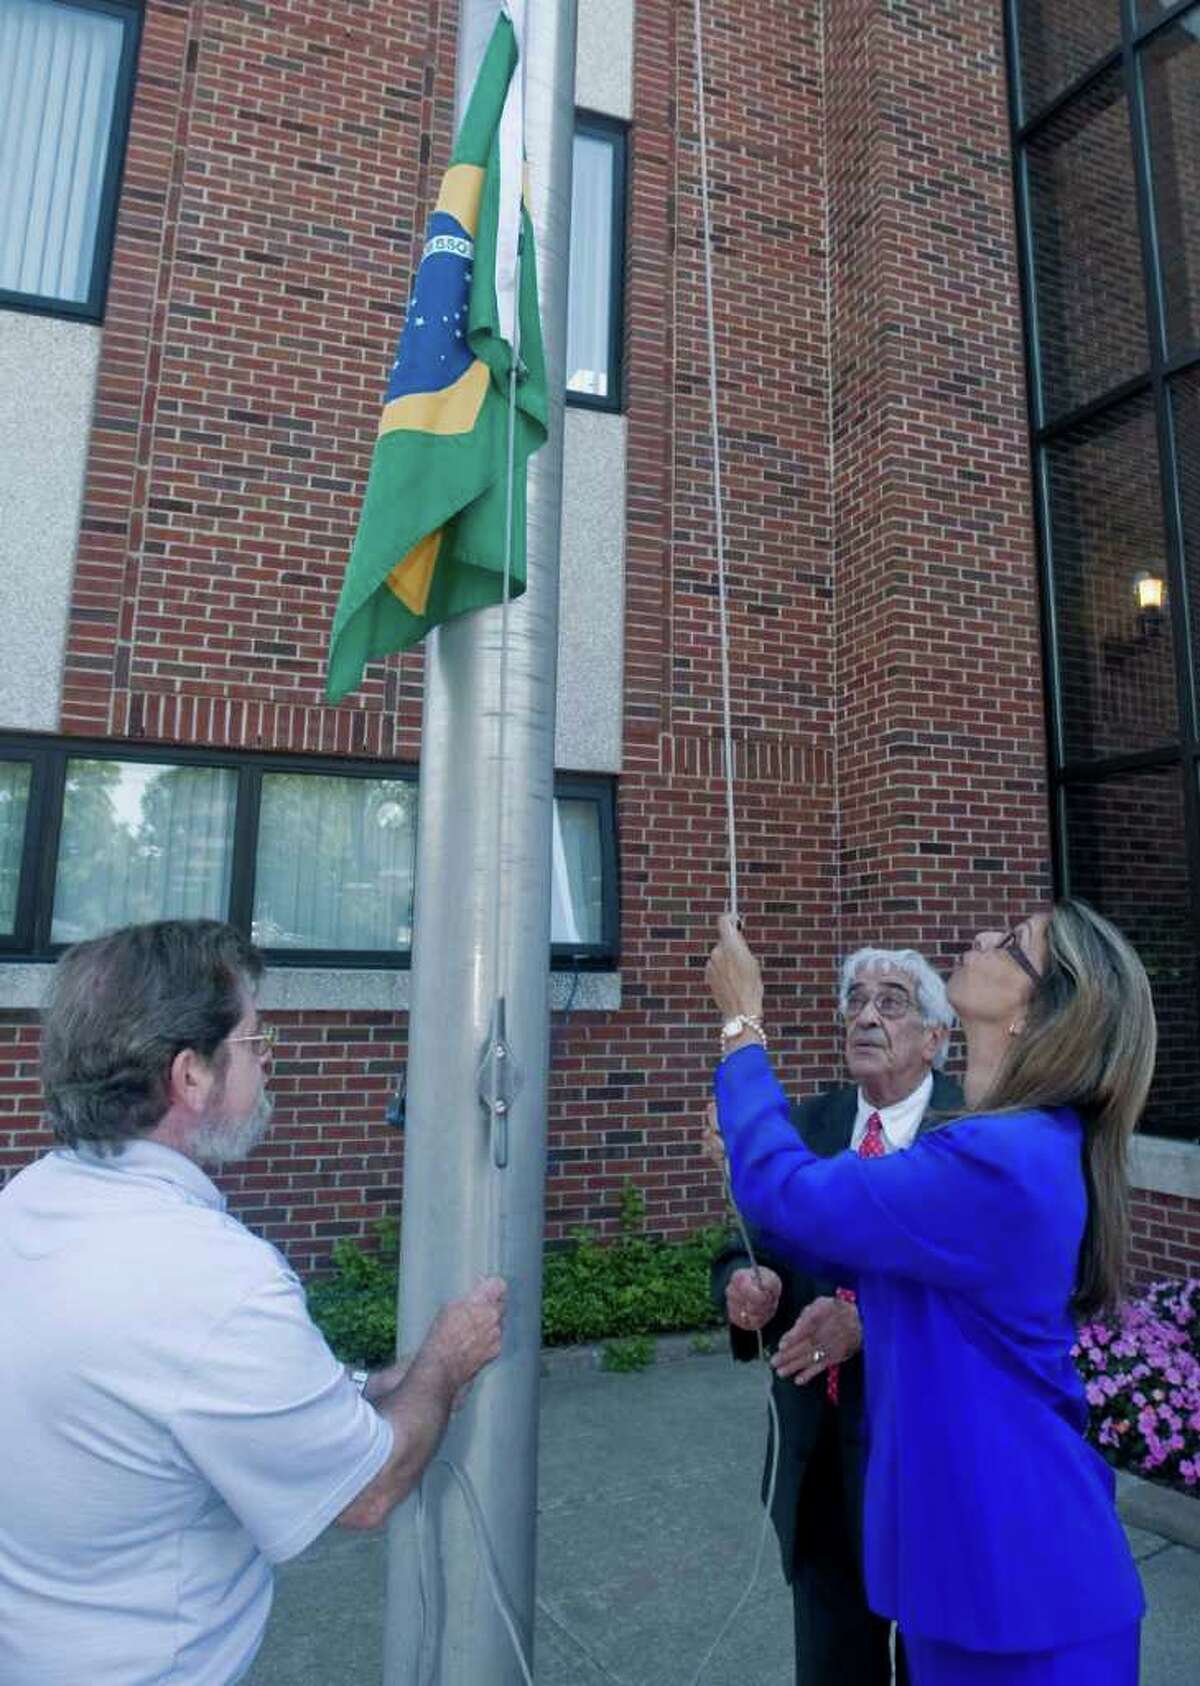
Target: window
<point>335,862</point>
<point>1106,118</point>
<point>597,264</point>
<point>141,840</point>
<point>14,811</point>
<point>66,81</point>
<point>314,859</point>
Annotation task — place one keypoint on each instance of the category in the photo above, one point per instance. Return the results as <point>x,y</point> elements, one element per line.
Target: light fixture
<point>1150,591</point>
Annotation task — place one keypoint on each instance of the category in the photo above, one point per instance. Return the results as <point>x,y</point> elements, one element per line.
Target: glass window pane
<point>577,875</point>
<point>1059,40</point>
<point>142,842</point>
<point>58,80</point>
<point>1116,661</point>
<point>590,301</point>
<point>1185,406</point>
<point>1091,314</point>
<point>1171,72</point>
<point>14,807</point>
<point>335,862</point>
<point>1125,848</point>
<point>1149,12</point>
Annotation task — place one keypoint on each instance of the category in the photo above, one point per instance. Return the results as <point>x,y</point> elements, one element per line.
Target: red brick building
<point>959,422</point>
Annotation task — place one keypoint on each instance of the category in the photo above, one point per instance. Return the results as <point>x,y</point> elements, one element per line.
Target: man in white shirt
<point>172,1423</point>
<point>897,1023</point>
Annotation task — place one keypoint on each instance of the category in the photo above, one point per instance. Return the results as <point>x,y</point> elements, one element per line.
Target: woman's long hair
<point>1089,1043</point>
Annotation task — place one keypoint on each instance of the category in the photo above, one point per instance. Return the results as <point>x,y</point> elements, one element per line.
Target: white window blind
<point>58,78</point>
<point>142,842</point>
<point>14,806</point>
<point>589,299</point>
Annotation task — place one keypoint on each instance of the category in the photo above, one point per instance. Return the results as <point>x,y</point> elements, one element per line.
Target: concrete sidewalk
<point>648,1524</point>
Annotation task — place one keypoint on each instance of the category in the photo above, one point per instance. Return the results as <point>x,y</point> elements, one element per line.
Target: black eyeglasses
<point>1011,944</point>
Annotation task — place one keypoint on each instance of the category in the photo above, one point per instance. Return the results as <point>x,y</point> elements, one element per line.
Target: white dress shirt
<point>900,1122</point>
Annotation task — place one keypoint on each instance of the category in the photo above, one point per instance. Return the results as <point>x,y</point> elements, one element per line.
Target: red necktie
<point>871,1147</point>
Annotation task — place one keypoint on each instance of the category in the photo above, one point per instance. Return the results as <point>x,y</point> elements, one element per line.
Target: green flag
<point>431,533</point>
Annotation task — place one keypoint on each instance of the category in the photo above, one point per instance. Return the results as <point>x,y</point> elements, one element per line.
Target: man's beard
<point>221,1140</point>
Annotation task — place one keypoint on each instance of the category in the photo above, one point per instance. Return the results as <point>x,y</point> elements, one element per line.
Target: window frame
<point>132,14</point>
<point>48,757</point>
<point>614,131</point>
<point>1156,380</point>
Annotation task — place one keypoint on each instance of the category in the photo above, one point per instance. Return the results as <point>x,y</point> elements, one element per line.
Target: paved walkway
<point>648,1522</point>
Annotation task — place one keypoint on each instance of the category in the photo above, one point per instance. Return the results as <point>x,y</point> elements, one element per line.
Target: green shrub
<point>630,1286</point>
<point>356,1308</point>
<point>632,1352</point>
<point>592,1291</point>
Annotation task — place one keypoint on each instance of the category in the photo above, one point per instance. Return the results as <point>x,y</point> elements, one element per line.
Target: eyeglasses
<point>268,1036</point>
<point>890,1002</point>
<point>1011,944</point>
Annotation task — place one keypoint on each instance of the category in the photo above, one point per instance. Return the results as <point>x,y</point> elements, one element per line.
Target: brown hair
<point>120,1008</point>
<point>1088,1043</point>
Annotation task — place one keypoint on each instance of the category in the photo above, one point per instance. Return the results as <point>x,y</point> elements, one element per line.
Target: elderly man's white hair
<point>933,1003</point>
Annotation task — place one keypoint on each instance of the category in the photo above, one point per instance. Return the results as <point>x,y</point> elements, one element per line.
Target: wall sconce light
<point>1150,591</point>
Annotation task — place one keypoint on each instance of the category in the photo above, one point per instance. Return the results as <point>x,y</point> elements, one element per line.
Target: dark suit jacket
<point>826,1123</point>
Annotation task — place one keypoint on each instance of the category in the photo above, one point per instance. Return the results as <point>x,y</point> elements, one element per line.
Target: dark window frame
<point>615,131</point>
<point>1162,369</point>
<point>48,757</point>
<point>91,309</point>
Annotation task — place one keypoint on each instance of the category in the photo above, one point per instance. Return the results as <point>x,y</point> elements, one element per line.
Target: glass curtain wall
<point>1105,101</point>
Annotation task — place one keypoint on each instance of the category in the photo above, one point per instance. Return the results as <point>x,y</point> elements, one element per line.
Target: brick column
<point>940,725</point>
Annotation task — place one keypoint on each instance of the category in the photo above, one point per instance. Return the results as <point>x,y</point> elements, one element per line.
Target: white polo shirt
<point>171,1424</point>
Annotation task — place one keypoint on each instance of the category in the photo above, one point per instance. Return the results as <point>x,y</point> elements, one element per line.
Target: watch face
<point>731,1027</point>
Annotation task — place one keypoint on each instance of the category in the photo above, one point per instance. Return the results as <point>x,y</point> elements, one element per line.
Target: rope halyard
<point>718,499</point>
<point>727,740</point>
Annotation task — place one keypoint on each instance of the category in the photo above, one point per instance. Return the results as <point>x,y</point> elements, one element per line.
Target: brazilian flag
<point>431,533</point>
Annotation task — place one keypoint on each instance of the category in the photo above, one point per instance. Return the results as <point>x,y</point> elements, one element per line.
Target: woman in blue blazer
<point>991,1534</point>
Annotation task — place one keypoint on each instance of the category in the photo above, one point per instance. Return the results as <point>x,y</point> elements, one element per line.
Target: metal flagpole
<point>466,1215</point>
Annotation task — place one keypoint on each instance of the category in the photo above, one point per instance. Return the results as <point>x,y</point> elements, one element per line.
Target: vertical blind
<point>14,805</point>
<point>58,81</point>
<point>142,842</point>
<point>335,862</point>
<point>589,298</point>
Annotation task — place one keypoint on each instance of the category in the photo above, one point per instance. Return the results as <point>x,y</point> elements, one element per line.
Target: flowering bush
<point>1141,1374</point>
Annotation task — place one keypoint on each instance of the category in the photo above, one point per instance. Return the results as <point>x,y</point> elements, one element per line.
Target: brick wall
<point>887,705</point>
<point>1166,1238</point>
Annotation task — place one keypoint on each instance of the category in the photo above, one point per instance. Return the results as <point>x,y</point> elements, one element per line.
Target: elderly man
<point>172,1423</point>
<point>897,1023</point>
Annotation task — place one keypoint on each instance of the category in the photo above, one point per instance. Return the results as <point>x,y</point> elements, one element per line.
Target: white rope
<point>730,815</point>
<point>491,1570</point>
<point>718,500</point>
<point>506,589</point>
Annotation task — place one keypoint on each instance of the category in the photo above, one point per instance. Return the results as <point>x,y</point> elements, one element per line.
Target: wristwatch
<point>360,1378</point>
<point>740,1022</point>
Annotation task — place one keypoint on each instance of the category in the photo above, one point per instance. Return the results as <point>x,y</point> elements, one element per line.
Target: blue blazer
<point>989,1521</point>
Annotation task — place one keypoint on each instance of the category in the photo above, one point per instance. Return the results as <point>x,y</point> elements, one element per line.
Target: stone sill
<point>1161,1166</point>
<point>330,989</point>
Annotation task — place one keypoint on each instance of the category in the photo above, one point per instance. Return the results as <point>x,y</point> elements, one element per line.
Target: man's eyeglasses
<point>890,1002</point>
<point>1011,944</point>
<point>267,1036</point>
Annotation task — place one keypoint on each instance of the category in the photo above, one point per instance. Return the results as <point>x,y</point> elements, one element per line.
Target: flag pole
<point>464,1215</point>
